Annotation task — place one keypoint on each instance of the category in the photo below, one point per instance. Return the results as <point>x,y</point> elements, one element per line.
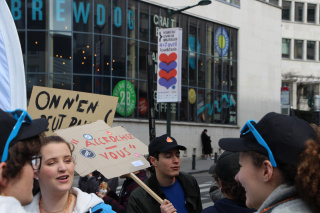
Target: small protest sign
<point>111,151</point>
<point>65,108</point>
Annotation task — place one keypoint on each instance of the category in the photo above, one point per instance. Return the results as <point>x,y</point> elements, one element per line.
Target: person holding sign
<point>20,142</point>
<point>180,191</point>
<point>55,179</point>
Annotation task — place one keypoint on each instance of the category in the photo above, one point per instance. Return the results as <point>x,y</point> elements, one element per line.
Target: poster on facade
<point>111,151</point>
<point>285,96</point>
<point>169,65</point>
<point>65,108</point>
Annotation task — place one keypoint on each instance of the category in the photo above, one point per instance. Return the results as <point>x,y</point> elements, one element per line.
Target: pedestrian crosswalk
<point>205,197</point>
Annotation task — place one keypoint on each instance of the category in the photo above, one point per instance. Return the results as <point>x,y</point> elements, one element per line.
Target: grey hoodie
<point>282,193</point>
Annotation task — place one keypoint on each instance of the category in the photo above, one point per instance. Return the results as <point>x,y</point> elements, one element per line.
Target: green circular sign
<point>125,97</point>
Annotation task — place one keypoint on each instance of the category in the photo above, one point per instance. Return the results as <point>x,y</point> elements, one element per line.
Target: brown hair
<point>20,154</point>
<point>57,139</point>
<point>308,175</point>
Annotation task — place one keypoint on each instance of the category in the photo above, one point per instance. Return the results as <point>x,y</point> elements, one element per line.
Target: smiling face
<point>57,169</point>
<point>251,178</point>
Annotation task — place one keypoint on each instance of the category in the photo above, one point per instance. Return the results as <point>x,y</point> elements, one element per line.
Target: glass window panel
<point>217,73</point>
<point>119,18</point>
<point>132,59</point>
<point>143,48</point>
<point>37,14</point>
<point>82,83</point>
<point>286,10</point>
<point>184,25</point>
<point>183,106</point>
<point>201,106</point>
<point>232,109</point>
<point>298,12</point>
<point>35,79</point>
<point>102,57</point>
<point>82,15</point>
<point>225,75</point>
<point>17,9</point>
<point>133,19</point>
<point>144,22</point>
<point>60,60</point>
<point>217,111</point>
<point>102,17</point>
<point>311,13</point>
<point>119,57</point>
<point>285,48</point>
<point>143,99</point>
<point>184,68</point>
<point>60,81</point>
<point>275,2</point>
<point>202,36</point>
<point>311,50</point>
<point>60,13</point>
<point>209,72</point>
<point>36,51</point>
<point>192,57</point>
<point>208,112</point>
<point>165,21</point>
<point>155,23</point>
<point>201,71</point>
<point>233,41</point>
<point>298,46</point>
<point>235,2</point>
<point>233,76</point>
<point>192,104</point>
<point>210,38</point>
<point>102,85</point>
<point>154,49</point>
<point>82,53</point>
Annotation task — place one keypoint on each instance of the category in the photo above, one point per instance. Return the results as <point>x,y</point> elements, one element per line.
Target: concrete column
<point>305,11</point>
<point>304,50</point>
<point>292,12</point>
<point>291,49</point>
<point>317,51</point>
<point>317,13</point>
<point>293,95</point>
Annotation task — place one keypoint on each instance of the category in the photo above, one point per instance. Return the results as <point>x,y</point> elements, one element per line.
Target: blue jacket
<point>226,205</point>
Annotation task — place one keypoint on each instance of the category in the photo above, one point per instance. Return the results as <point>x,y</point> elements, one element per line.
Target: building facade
<point>300,51</point>
<point>231,62</point>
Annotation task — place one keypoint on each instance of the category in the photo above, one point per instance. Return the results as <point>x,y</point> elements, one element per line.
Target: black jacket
<point>141,202</point>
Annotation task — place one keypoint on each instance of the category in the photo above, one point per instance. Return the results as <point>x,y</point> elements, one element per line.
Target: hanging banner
<point>66,108</point>
<point>169,65</point>
<point>12,75</point>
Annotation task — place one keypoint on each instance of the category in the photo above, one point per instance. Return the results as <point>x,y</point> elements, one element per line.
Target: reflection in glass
<point>298,12</point>
<point>132,59</point>
<point>37,15</point>
<point>35,79</point>
<point>311,13</point>
<point>82,83</point>
<point>36,52</point>
<point>133,19</point>
<point>102,17</point>
<point>60,14</point>
<point>102,55</point>
<point>311,50</point>
<point>217,73</point>
<point>119,57</point>
<point>285,48</point>
<point>119,18</point>
<point>298,45</point>
<point>143,48</point>
<point>286,8</point>
<point>82,53</point>
<point>102,85</point>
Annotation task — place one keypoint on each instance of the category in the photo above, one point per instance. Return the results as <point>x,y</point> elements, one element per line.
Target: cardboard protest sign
<point>65,108</point>
<point>111,151</point>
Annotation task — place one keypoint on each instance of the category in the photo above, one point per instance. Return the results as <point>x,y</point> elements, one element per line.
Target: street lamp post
<point>170,14</point>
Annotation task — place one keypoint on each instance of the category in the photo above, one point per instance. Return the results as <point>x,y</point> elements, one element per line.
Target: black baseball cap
<point>27,130</point>
<point>285,136</point>
<point>227,165</point>
<point>163,143</point>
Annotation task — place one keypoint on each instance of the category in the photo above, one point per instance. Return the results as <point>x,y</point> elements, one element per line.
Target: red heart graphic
<point>168,59</point>
<point>168,75</point>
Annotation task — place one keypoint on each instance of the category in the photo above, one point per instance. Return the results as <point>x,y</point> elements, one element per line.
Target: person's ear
<point>36,175</point>
<point>3,181</point>
<point>268,170</point>
<point>153,161</point>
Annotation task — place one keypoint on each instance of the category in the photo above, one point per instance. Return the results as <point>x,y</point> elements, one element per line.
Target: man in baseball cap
<point>179,190</point>
<point>269,154</point>
<point>20,144</point>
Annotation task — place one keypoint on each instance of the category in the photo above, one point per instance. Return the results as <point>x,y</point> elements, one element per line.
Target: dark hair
<point>233,189</point>
<point>288,171</point>
<point>308,175</point>
<point>20,154</point>
<point>57,139</point>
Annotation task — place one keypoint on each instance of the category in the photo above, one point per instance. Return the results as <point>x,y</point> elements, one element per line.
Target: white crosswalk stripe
<point>205,197</point>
